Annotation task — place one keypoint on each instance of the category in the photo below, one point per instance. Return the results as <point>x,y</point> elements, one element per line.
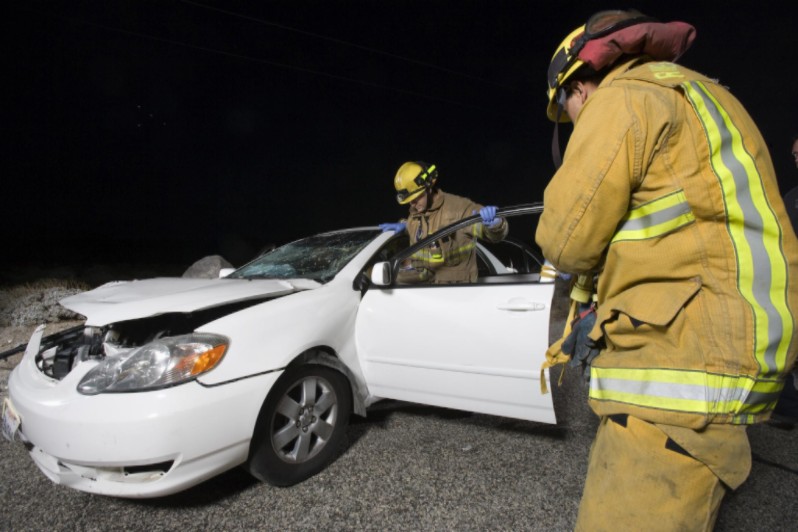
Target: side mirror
<point>224,272</point>
<point>381,274</point>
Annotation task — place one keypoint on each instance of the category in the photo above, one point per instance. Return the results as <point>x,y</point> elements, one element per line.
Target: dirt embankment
<point>29,297</point>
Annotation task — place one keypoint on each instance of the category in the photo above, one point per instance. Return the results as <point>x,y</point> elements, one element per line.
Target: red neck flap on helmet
<point>661,41</point>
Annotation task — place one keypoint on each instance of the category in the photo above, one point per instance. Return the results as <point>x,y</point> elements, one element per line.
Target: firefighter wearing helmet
<point>666,198</point>
<point>451,259</point>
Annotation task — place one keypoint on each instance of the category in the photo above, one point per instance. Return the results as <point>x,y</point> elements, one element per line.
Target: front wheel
<point>300,426</point>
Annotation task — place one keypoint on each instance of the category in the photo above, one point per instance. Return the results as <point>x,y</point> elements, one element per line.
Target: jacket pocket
<point>645,314</point>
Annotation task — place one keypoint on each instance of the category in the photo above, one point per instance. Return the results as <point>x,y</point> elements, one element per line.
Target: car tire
<point>301,425</point>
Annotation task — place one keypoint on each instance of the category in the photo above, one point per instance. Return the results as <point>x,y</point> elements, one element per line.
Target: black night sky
<point>166,130</point>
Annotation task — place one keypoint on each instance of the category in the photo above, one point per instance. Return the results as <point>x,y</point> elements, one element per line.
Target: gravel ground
<point>404,467</point>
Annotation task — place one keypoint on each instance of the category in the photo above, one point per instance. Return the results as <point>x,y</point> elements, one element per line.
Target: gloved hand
<point>581,348</point>
<point>397,227</point>
<point>488,215</point>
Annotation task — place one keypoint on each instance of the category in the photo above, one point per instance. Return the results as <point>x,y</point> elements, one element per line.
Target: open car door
<point>475,346</point>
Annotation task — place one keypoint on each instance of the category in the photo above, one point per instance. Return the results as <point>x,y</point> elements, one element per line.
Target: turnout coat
<point>453,258</point>
<point>668,190</point>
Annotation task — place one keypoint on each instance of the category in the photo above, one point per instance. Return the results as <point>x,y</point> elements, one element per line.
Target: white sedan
<point>172,381</point>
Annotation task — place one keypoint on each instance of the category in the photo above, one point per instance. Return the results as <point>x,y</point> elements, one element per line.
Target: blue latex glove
<point>581,348</point>
<point>397,227</point>
<point>488,215</point>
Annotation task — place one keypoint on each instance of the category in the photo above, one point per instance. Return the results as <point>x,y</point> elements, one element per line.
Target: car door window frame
<point>396,261</point>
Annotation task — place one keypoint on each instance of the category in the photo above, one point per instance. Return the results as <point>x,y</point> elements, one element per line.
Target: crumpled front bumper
<point>144,444</point>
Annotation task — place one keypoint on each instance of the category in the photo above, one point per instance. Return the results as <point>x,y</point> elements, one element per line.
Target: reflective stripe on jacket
<point>454,258</point>
<point>668,188</point>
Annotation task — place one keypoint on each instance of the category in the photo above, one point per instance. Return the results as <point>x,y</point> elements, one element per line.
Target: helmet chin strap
<point>555,139</point>
<point>428,193</point>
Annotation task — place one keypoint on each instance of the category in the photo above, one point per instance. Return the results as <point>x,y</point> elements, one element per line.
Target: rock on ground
<point>207,267</point>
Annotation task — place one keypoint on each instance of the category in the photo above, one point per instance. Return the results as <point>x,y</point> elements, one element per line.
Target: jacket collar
<point>437,203</point>
<point>622,68</point>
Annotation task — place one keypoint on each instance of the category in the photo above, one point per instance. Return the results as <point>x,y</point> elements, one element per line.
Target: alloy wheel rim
<point>304,419</point>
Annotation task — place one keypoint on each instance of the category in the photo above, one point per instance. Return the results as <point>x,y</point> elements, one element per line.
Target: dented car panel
<point>319,319</point>
<point>137,299</point>
<point>133,445</point>
<point>169,440</point>
<point>172,381</point>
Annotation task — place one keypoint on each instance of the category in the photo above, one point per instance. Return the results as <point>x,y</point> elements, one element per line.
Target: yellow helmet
<point>413,179</point>
<point>565,61</point>
<point>563,64</point>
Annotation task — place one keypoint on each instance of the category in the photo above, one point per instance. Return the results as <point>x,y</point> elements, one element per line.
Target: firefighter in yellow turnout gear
<point>451,259</point>
<point>667,192</point>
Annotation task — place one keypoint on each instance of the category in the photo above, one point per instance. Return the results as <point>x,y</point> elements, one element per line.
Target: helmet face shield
<point>557,66</point>
<point>405,196</point>
<point>563,64</point>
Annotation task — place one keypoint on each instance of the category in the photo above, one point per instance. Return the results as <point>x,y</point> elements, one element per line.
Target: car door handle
<point>522,305</point>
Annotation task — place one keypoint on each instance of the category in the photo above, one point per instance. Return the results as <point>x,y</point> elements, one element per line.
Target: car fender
<point>269,336</point>
<point>323,357</point>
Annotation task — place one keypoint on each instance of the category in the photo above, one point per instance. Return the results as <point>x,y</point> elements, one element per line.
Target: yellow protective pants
<point>639,479</point>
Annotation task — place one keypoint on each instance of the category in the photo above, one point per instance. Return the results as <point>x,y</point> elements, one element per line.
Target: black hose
<point>13,351</point>
<point>46,342</point>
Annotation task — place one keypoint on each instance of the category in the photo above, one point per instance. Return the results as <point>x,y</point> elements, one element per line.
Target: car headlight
<point>163,362</point>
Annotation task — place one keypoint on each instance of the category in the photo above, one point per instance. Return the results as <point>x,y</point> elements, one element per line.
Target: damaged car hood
<point>114,302</point>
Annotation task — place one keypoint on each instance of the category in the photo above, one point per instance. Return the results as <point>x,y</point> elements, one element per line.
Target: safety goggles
<point>606,22</point>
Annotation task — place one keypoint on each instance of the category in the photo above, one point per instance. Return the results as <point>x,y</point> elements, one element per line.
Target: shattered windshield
<point>319,257</point>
